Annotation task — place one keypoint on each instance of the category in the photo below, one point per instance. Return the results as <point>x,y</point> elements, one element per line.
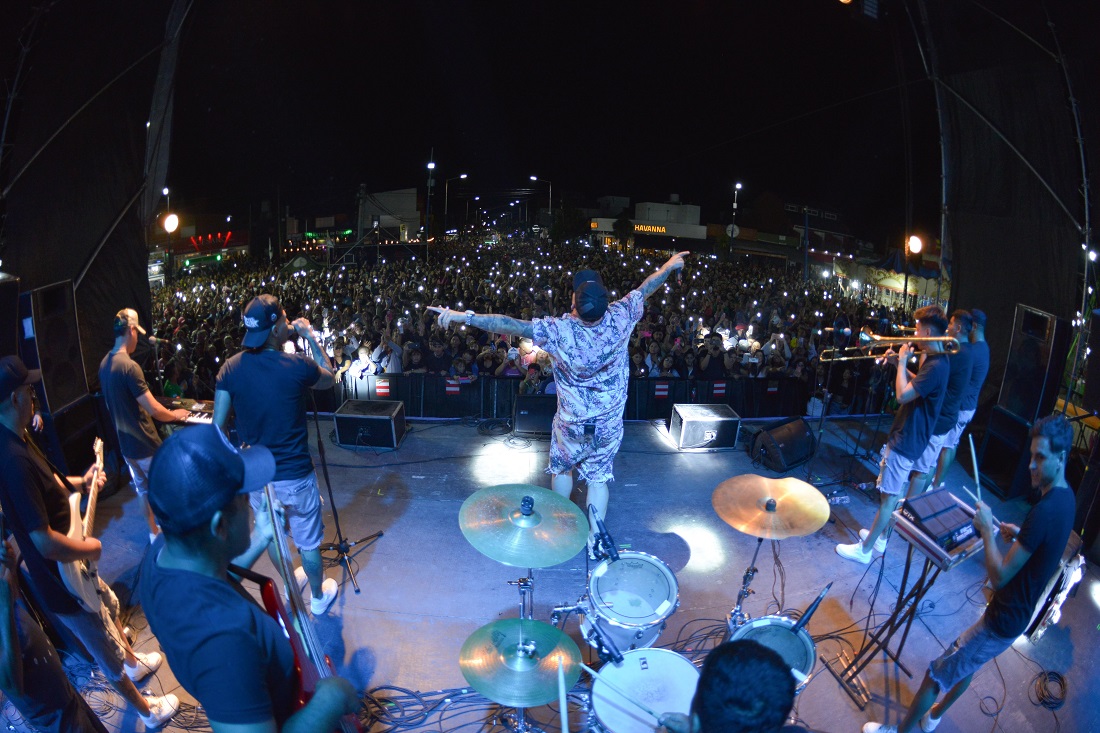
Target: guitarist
<point>132,406</point>
<point>38,514</point>
<point>224,648</point>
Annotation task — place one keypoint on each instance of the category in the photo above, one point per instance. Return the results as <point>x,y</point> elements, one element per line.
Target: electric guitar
<point>310,661</point>
<point>81,576</point>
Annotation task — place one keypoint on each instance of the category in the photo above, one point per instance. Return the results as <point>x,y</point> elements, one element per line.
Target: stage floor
<point>425,589</point>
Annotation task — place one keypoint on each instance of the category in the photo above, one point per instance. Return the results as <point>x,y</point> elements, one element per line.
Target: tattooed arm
<point>486,322</point>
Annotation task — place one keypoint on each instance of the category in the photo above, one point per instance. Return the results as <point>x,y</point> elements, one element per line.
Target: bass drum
<point>777,633</point>
<point>662,680</point>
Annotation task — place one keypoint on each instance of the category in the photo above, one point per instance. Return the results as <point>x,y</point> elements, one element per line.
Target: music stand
<point>936,559</point>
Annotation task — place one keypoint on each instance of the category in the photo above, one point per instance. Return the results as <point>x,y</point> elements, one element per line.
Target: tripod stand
<point>342,546</point>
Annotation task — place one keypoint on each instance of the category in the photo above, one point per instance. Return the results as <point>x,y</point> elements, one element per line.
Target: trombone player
<point>920,398</point>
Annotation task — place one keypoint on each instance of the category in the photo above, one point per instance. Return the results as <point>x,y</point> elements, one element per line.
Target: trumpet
<point>950,346</point>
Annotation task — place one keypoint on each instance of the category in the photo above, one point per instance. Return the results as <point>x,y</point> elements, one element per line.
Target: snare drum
<point>661,680</point>
<point>777,633</point>
<point>631,598</point>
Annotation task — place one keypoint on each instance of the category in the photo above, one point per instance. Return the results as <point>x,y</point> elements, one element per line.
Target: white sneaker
<point>161,710</point>
<point>854,552</point>
<point>880,543</point>
<point>146,665</point>
<point>301,580</point>
<point>329,589</point>
<point>879,728</point>
<point>928,723</point>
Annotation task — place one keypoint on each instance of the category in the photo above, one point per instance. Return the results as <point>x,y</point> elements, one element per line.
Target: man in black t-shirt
<point>267,388</point>
<point>920,398</point>
<point>970,329</point>
<point>1018,579</point>
<point>36,506</point>
<point>132,406</point>
<point>224,648</point>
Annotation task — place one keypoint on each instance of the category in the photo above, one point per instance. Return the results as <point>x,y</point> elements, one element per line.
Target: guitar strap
<point>54,469</point>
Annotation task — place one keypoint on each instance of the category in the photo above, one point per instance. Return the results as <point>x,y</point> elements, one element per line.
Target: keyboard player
<point>133,407</point>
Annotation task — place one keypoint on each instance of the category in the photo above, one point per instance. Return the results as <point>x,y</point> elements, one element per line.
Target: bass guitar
<point>81,577</point>
<point>310,661</point>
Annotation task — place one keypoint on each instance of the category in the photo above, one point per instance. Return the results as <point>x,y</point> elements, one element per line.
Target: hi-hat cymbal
<point>514,661</point>
<point>552,530</point>
<point>744,503</point>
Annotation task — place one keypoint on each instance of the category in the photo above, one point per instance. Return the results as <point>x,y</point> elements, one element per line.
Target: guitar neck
<point>93,490</point>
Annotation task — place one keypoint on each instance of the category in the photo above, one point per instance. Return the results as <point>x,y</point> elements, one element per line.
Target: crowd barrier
<point>433,396</point>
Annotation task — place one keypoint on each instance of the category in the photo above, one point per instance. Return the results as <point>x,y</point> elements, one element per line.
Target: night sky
<point>802,98</point>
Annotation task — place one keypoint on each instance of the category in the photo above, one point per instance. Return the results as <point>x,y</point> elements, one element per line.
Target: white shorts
<point>951,439</point>
<point>893,475</point>
<point>927,460</point>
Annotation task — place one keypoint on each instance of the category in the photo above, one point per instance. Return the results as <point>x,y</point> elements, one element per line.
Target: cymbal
<point>514,661</point>
<point>494,522</point>
<point>743,503</point>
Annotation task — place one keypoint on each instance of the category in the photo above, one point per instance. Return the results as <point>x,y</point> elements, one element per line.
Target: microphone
<point>810,611</point>
<point>604,536</point>
<point>613,654</point>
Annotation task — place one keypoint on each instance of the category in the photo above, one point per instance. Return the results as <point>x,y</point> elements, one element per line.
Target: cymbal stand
<point>526,588</point>
<point>737,617</point>
<point>517,721</point>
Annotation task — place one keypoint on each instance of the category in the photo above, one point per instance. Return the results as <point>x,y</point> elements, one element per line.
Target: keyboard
<point>202,411</point>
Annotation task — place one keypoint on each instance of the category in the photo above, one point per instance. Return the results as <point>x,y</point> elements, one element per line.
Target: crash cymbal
<point>498,525</point>
<point>743,502</point>
<point>514,661</point>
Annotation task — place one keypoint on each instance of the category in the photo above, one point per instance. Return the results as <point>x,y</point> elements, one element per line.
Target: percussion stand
<point>517,721</point>
<point>908,602</point>
<point>738,617</point>
<point>526,588</point>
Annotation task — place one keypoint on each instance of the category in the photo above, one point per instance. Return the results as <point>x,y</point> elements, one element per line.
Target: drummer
<point>743,686</point>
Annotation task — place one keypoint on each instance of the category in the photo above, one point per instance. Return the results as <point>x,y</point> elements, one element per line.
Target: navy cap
<point>14,374</point>
<point>261,313</point>
<point>197,472</point>
<point>590,295</point>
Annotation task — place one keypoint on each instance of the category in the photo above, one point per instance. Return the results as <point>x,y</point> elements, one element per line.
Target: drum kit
<point>629,597</point>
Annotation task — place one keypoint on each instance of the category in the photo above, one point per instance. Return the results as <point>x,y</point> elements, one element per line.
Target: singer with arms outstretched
<point>589,356</point>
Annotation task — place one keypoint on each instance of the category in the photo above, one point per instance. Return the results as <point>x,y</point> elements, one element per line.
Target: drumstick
<point>974,461</point>
<point>995,520</point>
<point>563,702</point>
<point>617,690</point>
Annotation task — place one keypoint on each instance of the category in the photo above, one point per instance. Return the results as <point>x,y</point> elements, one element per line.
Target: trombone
<point>950,346</point>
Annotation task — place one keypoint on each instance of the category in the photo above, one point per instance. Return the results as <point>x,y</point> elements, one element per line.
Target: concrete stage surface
<point>425,589</point>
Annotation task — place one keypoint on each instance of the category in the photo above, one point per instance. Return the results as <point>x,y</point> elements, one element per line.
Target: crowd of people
<point>719,320</point>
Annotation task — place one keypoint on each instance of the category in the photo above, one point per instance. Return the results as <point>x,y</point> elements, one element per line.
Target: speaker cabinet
<point>534,414</point>
<point>1006,454</point>
<point>50,341</point>
<point>9,315</point>
<point>704,427</point>
<point>783,445</point>
<point>1036,359</point>
<point>370,423</point>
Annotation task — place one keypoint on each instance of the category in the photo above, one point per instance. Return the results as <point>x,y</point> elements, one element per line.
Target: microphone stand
<point>342,547</point>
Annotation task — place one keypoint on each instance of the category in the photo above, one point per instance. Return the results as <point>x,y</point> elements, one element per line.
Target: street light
<point>171,224</point>
<point>428,207</point>
<point>913,244</point>
<point>447,198</point>
<point>550,205</point>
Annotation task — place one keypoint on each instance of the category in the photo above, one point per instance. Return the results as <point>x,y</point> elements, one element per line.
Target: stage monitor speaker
<point>51,342</point>
<point>783,445</point>
<point>1036,359</point>
<point>1091,399</point>
<point>704,427</point>
<point>9,315</point>
<point>370,423</point>
<point>1006,454</point>
<point>533,414</point>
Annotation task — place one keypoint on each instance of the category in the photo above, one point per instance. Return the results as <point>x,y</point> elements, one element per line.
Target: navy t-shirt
<point>33,500</point>
<point>958,380</point>
<point>123,382</point>
<point>979,368</point>
<point>223,648</point>
<point>1044,532</point>
<point>914,420</point>
<point>268,389</point>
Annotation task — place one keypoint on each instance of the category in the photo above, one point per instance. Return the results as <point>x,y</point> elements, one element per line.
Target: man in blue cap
<point>591,364</point>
